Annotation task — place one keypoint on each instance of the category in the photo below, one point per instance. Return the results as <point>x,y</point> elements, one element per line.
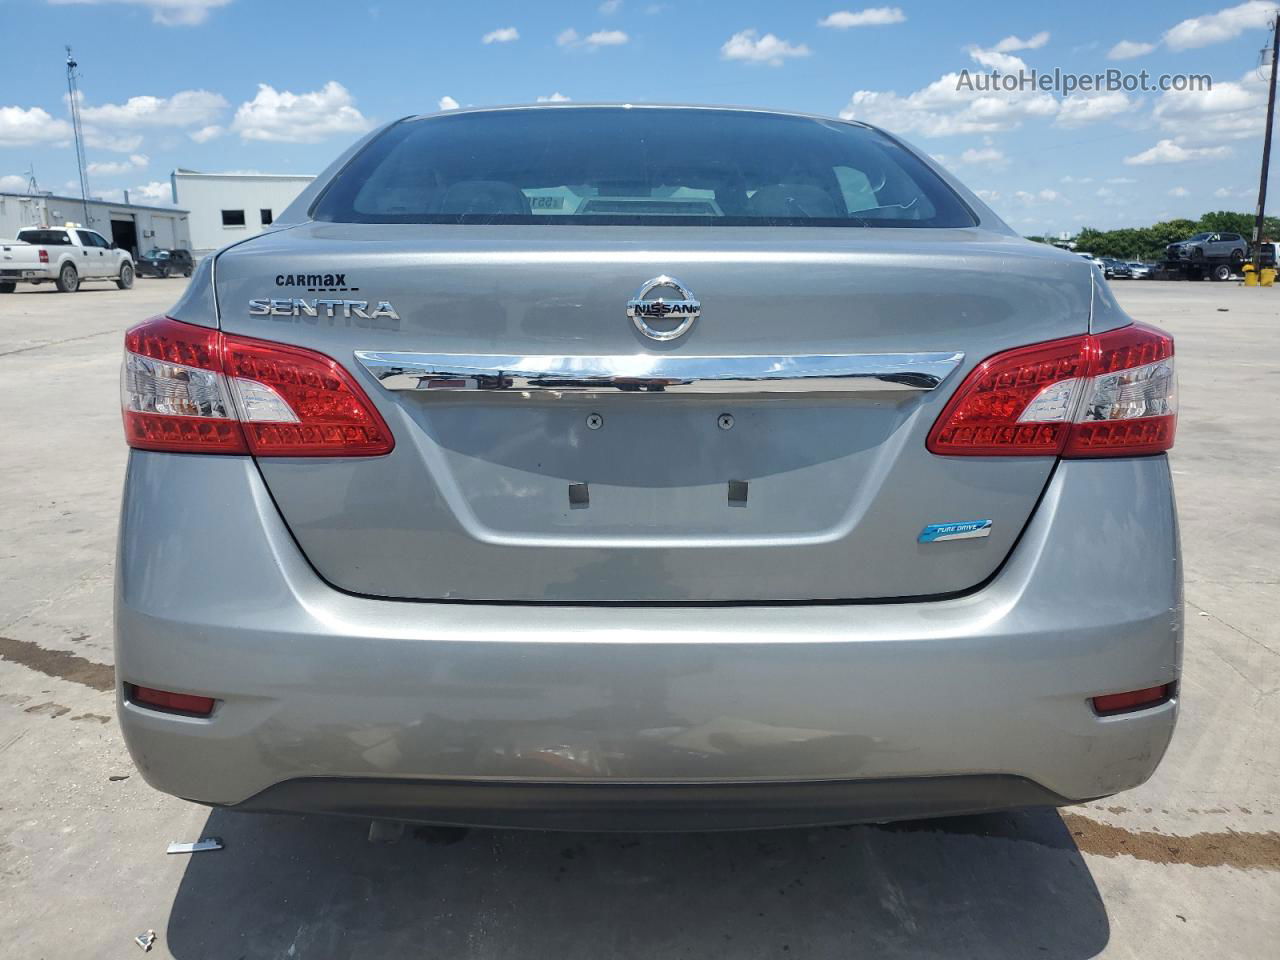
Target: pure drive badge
<point>351,313</point>
<point>959,530</point>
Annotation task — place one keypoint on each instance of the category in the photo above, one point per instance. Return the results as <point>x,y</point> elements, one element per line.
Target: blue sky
<point>282,86</point>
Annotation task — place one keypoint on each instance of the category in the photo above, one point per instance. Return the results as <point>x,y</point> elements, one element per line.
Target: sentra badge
<point>350,313</point>
<point>960,530</point>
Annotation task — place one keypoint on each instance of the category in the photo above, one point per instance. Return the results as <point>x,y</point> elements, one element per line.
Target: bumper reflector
<point>1132,700</point>
<point>184,703</point>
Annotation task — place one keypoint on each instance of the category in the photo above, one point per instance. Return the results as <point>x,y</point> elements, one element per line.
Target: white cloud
<point>114,168</point>
<point>1128,49</point>
<point>1013,44</point>
<point>871,17</point>
<point>205,134</point>
<point>1121,180</point>
<point>1219,27</point>
<point>12,183</point>
<point>1070,179</point>
<point>991,157</point>
<point>998,60</point>
<point>1179,192</point>
<point>170,13</point>
<point>606,38</point>
<point>593,41</point>
<point>988,196</point>
<point>944,109</point>
<point>281,116</point>
<point>448,103</point>
<point>1076,111</point>
<point>750,47</point>
<point>1222,193</point>
<point>183,109</point>
<point>157,191</point>
<point>1040,196</point>
<point>1169,151</point>
<point>1231,110</point>
<point>117,143</point>
<point>610,7</point>
<point>556,97</point>
<point>26,127</point>
<point>501,35</point>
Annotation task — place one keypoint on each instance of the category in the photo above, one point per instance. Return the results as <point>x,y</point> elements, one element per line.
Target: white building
<point>226,207</point>
<point>132,226</point>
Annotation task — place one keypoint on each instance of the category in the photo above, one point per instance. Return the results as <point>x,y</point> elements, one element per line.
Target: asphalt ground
<point>1187,865</point>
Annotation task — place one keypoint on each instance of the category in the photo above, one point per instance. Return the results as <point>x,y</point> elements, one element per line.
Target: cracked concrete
<point>1184,866</point>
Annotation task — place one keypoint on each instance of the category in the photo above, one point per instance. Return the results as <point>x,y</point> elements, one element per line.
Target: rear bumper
<point>603,806</point>
<point>342,704</point>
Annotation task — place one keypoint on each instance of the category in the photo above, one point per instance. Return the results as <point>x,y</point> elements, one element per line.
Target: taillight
<point>44,255</point>
<point>1112,394</point>
<point>190,389</point>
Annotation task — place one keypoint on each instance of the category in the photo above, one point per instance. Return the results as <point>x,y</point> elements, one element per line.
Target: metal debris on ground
<point>200,846</point>
<point>145,940</point>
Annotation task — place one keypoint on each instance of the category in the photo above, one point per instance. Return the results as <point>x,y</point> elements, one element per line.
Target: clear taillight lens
<point>189,389</point>
<point>1111,394</point>
<point>172,391</point>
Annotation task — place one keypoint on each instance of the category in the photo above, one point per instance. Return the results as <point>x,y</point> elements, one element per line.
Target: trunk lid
<point>479,500</point>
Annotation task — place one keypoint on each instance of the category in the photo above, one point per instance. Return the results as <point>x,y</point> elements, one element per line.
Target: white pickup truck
<point>63,255</point>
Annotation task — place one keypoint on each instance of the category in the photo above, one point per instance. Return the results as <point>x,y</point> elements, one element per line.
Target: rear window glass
<point>49,238</point>
<point>641,166</point>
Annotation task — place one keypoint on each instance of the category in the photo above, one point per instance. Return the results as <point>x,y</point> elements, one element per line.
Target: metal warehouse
<point>131,226</point>
<point>226,207</point>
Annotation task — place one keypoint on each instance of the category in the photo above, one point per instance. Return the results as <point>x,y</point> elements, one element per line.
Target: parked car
<point>165,263</point>
<point>656,503</point>
<point>1205,246</point>
<point>1115,269</point>
<point>1139,270</point>
<point>64,256</point>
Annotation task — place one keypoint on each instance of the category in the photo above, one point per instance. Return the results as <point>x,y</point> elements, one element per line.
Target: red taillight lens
<point>296,403</point>
<point>172,702</point>
<point>1132,699</point>
<point>44,255</point>
<point>1104,395</point>
<point>190,389</point>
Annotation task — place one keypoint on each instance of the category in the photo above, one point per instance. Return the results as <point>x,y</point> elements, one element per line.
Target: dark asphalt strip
<point>58,663</point>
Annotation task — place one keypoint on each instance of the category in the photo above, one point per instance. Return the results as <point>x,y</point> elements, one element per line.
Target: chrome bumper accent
<point>647,373</point>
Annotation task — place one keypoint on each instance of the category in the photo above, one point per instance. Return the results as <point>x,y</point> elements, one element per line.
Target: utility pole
<point>1266,145</point>
<point>73,95</point>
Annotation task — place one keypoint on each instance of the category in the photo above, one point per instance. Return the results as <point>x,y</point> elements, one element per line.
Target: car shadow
<point>1008,885</point>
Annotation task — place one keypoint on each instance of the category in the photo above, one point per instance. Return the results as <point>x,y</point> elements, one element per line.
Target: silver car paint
<point>472,503</point>
<point>315,682</point>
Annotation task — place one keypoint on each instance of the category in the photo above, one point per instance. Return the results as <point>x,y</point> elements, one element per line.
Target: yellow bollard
<point>1268,276</point>
<point>1250,276</point>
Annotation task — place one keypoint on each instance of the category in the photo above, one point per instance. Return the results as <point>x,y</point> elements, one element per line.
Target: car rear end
<point>533,474</point>
<point>23,261</point>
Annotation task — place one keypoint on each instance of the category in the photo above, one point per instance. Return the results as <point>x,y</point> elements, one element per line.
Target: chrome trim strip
<point>650,373</point>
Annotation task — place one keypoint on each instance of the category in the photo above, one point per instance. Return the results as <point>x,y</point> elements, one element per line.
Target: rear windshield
<point>49,238</point>
<point>641,166</point>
